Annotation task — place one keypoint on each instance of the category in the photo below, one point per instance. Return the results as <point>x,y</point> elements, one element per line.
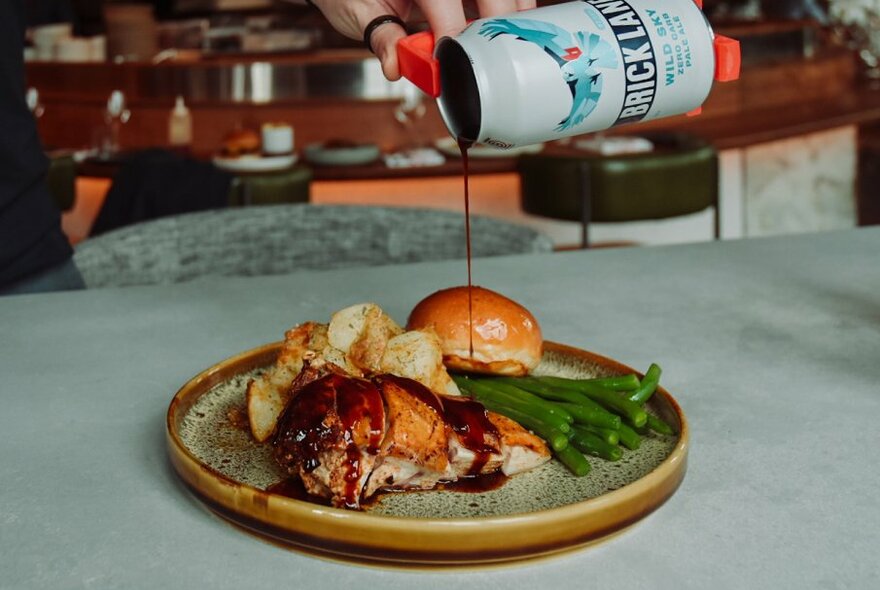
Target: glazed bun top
<point>507,338</point>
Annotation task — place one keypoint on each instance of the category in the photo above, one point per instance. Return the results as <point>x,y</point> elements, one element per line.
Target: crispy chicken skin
<point>267,395</point>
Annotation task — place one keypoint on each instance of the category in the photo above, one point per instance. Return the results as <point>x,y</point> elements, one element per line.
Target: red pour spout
<point>415,55</point>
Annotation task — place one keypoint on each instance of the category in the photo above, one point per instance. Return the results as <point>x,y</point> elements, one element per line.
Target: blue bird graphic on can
<point>580,57</point>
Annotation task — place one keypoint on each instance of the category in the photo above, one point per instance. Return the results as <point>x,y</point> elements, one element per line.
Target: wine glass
<point>410,111</point>
<point>32,98</point>
<point>116,115</point>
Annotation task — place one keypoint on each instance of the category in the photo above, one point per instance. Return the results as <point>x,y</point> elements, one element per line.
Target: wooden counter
<point>764,124</point>
<point>749,127</point>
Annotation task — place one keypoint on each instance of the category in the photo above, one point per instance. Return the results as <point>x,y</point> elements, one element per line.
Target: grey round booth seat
<point>278,239</point>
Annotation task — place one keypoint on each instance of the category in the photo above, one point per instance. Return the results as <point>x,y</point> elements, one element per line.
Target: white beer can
<point>571,68</point>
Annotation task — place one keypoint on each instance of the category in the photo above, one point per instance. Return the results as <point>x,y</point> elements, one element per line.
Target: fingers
<point>384,42</point>
<point>446,18</point>
<point>384,38</point>
<point>496,7</point>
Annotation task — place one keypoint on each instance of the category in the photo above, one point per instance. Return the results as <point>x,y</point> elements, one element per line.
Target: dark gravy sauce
<point>464,145</point>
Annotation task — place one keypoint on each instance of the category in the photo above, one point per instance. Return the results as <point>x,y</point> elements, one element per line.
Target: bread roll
<point>241,142</point>
<point>506,336</point>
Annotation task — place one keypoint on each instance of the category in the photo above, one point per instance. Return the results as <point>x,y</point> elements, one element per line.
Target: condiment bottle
<point>568,69</point>
<point>180,126</point>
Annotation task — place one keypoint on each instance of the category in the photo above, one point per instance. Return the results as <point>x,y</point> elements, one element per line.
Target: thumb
<point>384,41</point>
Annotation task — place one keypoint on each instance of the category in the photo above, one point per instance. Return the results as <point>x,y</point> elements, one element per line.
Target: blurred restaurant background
<point>153,109</point>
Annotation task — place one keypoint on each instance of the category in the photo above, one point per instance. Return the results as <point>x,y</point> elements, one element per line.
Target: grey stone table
<point>771,346</point>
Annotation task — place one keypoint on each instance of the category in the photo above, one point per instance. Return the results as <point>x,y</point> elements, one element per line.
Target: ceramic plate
<point>448,146</point>
<point>256,163</point>
<point>538,513</point>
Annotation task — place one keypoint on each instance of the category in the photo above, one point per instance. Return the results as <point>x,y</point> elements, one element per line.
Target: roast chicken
<point>360,406</point>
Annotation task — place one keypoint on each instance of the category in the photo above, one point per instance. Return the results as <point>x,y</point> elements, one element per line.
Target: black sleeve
<point>30,224</point>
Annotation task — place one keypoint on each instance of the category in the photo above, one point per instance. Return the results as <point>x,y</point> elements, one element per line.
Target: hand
<point>445,17</point>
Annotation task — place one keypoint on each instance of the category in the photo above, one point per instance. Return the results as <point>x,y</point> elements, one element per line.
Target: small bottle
<point>180,124</point>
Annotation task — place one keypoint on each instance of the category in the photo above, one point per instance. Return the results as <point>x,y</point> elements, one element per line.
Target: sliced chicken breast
<point>520,449</point>
<point>414,454</point>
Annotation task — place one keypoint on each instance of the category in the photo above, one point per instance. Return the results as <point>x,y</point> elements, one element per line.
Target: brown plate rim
<point>405,541</point>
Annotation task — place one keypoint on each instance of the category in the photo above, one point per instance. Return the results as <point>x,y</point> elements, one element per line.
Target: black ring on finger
<point>378,22</point>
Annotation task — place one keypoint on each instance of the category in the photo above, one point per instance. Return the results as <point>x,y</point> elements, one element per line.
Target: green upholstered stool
<point>679,177</point>
<point>290,185</point>
<point>61,180</point>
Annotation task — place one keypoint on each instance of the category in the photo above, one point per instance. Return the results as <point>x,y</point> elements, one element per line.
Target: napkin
<point>414,158</point>
<point>615,146</point>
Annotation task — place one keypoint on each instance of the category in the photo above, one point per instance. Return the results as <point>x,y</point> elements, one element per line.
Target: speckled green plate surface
<point>541,512</point>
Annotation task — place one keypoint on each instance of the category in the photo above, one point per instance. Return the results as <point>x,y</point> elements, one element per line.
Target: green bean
<point>483,391</point>
<point>592,415</point>
<point>575,416</point>
<point>616,403</point>
<point>609,436</point>
<point>589,443</point>
<point>617,383</point>
<point>574,460</point>
<point>556,394</point>
<point>658,425</point>
<point>534,384</point>
<point>555,438</point>
<point>562,383</point>
<point>520,393</point>
<point>620,383</point>
<point>605,397</point>
<point>648,386</point>
<point>629,437</point>
<point>515,398</point>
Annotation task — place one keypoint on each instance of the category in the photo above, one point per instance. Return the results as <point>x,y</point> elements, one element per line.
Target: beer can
<point>575,68</point>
